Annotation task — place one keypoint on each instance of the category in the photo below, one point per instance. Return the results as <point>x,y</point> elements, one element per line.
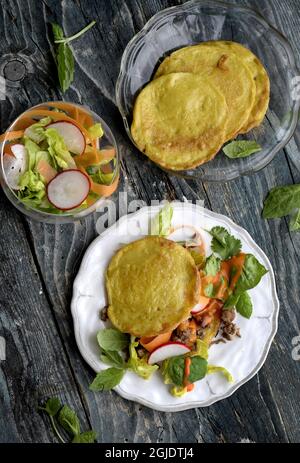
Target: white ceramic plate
<point>242,357</point>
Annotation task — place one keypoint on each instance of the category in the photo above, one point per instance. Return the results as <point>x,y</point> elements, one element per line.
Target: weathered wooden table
<point>39,262</point>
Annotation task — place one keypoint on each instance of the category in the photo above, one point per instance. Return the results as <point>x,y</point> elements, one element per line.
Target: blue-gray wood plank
<point>39,262</point>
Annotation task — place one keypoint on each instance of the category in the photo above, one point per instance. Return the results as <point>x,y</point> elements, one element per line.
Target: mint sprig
<point>64,56</point>
<point>62,416</point>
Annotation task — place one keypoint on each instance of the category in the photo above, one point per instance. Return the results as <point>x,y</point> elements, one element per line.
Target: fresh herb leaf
<point>64,55</point>
<point>295,221</point>
<point>111,339</point>
<point>87,437</point>
<point>224,244</point>
<point>68,419</point>
<point>160,225</point>
<point>212,265</point>
<point>244,305</point>
<point>281,201</point>
<point>52,406</point>
<point>112,358</point>
<point>57,31</point>
<point>231,301</point>
<point>176,366</point>
<point>65,66</point>
<point>75,36</point>
<point>241,148</point>
<point>252,273</point>
<point>107,379</point>
<point>209,290</point>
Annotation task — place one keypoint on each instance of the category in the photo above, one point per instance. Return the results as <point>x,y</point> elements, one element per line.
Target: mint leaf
<point>65,66</point>
<point>64,55</point>
<point>160,225</point>
<point>176,365</point>
<point>68,419</point>
<point>112,358</point>
<point>224,244</point>
<point>281,201</point>
<point>241,148</point>
<point>251,274</point>
<point>295,221</point>
<point>111,339</point>
<point>57,31</point>
<point>87,437</point>
<point>212,265</point>
<point>107,379</point>
<point>52,406</point>
<point>244,305</point>
<point>209,290</point>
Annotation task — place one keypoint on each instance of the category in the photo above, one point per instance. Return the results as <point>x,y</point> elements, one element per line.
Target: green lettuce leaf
<point>32,149</point>
<point>161,224</point>
<point>31,181</point>
<point>95,131</point>
<point>36,132</point>
<point>213,369</point>
<point>58,150</point>
<point>139,365</point>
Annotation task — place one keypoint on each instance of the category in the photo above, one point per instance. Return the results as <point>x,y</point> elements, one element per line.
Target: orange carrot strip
<point>57,117</point>
<point>104,190</point>
<point>79,114</point>
<point>155,341</point>
<point>13,135</point>
<point>99,189</point>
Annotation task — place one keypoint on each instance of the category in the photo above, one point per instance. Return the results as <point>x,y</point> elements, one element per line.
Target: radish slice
<point>204,301</point>
<point>68,189</point>
<point>14,165</point>
<point>168,350</point>
<point>72,135</point>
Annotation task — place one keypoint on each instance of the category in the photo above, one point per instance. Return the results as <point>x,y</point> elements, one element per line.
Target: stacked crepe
<point>201,97</point>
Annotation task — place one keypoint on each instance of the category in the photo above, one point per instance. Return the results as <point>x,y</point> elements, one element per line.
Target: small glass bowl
<point>107,139</point>
<point>195,22</point>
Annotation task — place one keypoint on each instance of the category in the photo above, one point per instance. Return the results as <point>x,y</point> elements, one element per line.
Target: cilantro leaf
<point>209,290</point>
<point>212,265</point>
<point>224,244</point>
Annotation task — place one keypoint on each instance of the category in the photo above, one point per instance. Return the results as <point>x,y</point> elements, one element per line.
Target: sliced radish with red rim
<point>68,189</point>
<point>168,350</point>
<point>14,165</point>
<point>72,135</point>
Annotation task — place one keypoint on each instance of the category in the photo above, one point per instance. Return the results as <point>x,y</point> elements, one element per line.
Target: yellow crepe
<point>261,79</point>
<point>225,70</point>
<point>179,120</point>
<point>152,284</point>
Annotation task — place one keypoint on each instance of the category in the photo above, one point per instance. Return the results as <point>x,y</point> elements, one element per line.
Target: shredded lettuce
<point>95,131</point>
<point>160,225</point>
<point>32,148</point>
<point>201,349</point>
<point>139,365</point>
<point>178,391</point>
<point>58,150</point>
<point>31,181</point>
<point>36,132</point>
<point>213,369</point>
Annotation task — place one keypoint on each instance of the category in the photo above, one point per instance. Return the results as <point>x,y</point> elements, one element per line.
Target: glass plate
<point>196,22</point>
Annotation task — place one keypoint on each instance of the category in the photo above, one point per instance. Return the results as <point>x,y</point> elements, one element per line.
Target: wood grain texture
<point>42,357</point>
